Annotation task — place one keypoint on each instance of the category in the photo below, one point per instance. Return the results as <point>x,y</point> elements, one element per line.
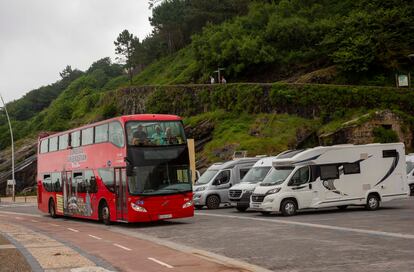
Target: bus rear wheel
<point>52,209</point>
<point>105,214</point>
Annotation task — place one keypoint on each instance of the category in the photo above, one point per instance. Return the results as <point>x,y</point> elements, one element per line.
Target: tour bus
<point>333,176</point>
<point>127,169</point>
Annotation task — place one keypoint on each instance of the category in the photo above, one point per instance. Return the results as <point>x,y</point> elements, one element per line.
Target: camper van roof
<point>307,155</point>
<point>265,162</point>
<point>232,163</point>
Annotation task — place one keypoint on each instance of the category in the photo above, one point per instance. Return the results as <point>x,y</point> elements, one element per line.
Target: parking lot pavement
<point>328,240</point>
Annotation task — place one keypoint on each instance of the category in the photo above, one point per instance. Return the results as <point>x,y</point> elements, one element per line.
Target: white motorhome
<point>410,172</point>
<point>334,176</point>
<point>239,194</point>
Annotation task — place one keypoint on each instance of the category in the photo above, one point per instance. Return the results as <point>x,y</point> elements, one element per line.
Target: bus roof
<point>123,119</point>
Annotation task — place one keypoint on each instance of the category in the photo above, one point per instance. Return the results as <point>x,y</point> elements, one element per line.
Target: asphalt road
<point>324,240</point>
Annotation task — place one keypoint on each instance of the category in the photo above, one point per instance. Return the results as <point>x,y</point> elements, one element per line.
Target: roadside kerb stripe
<point>312,225</point>
<point>160,263</point>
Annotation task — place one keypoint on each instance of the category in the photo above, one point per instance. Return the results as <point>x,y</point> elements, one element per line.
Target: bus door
<point>121,193</point>
<point>67,188</point>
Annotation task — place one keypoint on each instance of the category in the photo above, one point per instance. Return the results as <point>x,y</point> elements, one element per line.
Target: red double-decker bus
<point>128,169</point>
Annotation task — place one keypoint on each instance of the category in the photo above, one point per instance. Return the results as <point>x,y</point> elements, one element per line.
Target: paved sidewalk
<point>11,260</point>
<point>26,250</point>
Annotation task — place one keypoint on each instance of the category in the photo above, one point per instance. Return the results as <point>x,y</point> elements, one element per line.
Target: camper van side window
<point>329,172</point>
<point>352,168</point>
<point>223,177</point>
<point>243,172</point>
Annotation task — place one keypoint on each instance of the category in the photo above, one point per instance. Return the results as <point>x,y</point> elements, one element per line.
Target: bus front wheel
<point>105,214</point>
<point>52,209</point>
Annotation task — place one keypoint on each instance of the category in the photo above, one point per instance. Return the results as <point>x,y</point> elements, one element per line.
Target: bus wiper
<point>176,190</point>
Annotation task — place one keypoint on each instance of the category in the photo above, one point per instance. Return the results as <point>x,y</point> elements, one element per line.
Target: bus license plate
<point>164,216</point>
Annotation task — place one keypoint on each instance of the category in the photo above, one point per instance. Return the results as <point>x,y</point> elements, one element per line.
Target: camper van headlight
<point>273,191</point>
<point>137,208</point>
<point>199,189</point>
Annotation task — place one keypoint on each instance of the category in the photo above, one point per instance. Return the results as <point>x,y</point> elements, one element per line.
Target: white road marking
<point>312,225</point>
<point>18,218</point>
<point>160,263</point>
<point>74,230</point>
<point>125,248</point>
<point>54,225</point>
<point>34,221</point>
<point>95,237</point>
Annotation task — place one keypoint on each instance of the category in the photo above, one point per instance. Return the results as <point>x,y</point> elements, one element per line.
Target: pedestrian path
<point>11,259</point>
<point>22,249</point>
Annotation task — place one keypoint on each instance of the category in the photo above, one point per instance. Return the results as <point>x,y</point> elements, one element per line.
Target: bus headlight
<point>137,208</point>
<point>188,204</point>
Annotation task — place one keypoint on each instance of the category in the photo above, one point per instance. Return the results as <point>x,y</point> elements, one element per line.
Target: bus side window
<point>116,134</point>
<point>57,182</point>
<point>44,146</point>
<point>107,176</point>
<point>90,181</point>
<point>77,181</point>
<point>47,182</point>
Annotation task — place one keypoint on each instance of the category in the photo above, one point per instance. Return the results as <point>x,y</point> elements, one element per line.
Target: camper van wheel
<point>198,207</point>
<point>241,209</point>
<point>213,202</point>
<point>52,210</point>
<point>373,202</point>
<point>343,207</point>
<point>288,207</point>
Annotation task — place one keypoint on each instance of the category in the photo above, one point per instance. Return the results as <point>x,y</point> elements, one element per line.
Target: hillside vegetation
<point>352,42</point>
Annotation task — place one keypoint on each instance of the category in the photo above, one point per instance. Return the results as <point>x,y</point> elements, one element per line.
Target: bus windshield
<point>155,133</point>
<point>160,179</point>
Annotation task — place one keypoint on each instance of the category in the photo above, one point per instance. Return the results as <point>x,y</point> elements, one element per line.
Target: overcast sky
<point>38,38</point>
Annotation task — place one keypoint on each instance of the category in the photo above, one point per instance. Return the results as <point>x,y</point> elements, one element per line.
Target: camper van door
<point>300,186</point>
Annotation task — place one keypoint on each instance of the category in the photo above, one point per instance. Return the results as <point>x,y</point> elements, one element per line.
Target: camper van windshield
<point>256,174</point>
<point>410,166</point>
<point>277,176</point>
<point>207,176</point>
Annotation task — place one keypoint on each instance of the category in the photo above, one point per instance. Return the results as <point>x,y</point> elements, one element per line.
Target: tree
<point>125,49</point>
<point>66,72</point>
